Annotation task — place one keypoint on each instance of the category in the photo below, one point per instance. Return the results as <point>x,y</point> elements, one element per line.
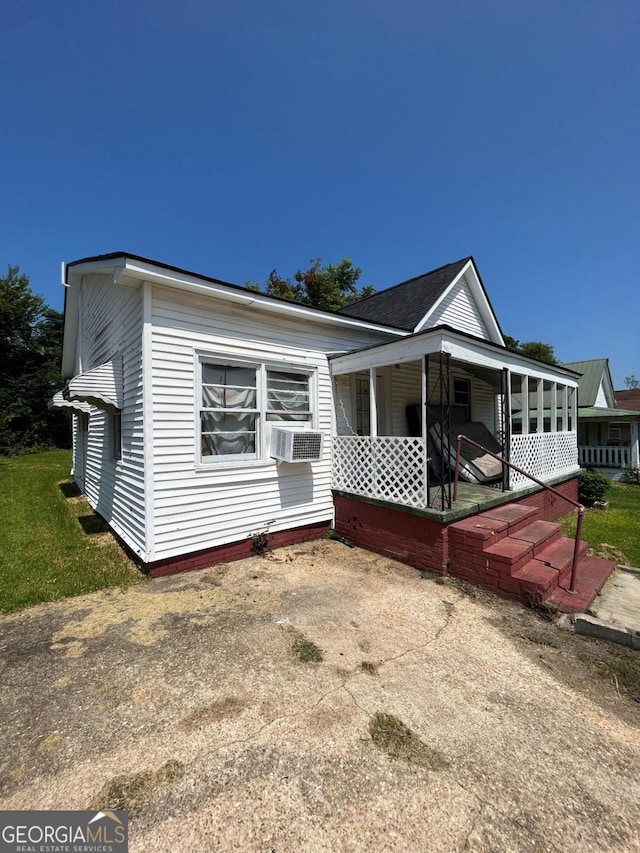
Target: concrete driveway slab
<point>181,698</point>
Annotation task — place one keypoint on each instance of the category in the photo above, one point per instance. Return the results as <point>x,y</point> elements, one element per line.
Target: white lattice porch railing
<point>388,468</point>
<point>605,457</point>
<point>543,454</point>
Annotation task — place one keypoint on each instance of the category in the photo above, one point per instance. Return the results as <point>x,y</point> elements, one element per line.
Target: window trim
<point>115,435</point>
<point>468,392</point>
<point>261,457</point>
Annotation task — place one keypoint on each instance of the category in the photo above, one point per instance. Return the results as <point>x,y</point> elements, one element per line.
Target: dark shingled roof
<point>405,304</point>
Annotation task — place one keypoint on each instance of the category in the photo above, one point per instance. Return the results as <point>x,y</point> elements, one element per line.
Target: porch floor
<point>472,499</point>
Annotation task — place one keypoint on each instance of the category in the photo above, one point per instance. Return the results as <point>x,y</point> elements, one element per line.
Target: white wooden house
<point>607,431</point>
<point>186,388</point>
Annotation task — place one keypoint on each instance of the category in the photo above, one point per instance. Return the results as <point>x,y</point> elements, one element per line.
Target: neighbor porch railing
<point>605,457</point>
<point>511,466</point>
<point>387,468</point>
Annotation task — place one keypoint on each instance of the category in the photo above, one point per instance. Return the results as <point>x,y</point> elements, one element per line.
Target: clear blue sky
<point>231,138</point>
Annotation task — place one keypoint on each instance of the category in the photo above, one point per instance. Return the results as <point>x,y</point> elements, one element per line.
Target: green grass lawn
<point>613,533</point>
<point>52,544</point>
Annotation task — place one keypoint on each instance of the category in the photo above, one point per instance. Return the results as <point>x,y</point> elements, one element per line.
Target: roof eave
<point>129,269</point>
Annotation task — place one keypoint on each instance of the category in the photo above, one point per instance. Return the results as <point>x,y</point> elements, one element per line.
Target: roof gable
<point>459,309</point>
<point>595,387</point>
<point>451,295</point>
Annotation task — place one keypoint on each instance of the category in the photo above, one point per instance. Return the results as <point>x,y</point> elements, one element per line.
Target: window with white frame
<point>115,434</point>
<point>240,401</point>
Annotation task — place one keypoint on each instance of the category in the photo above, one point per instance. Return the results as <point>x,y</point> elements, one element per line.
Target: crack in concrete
<point>483,805</point>
<point>341,686</point>
<point>445,624</point>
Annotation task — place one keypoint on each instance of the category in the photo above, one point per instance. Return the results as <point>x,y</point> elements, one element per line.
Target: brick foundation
<point>420,541</point>
<point>411,539</point>
<point>416,540</point>
<point>514,549</point>
<point>234,550</point>
<point>550,506</point>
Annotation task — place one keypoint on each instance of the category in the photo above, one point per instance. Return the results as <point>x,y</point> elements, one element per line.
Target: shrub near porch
<point>613,533</point>
<point>52,544</point>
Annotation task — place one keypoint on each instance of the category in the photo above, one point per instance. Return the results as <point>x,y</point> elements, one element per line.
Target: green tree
<point>330,287</point>
<point>631,382</point>
<point>532,349</point>
<point>30,347</point>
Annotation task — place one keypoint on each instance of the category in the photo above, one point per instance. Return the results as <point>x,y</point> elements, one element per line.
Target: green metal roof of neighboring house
<point>593,372</point>
<point>609,414</point>
<point>588,412</point>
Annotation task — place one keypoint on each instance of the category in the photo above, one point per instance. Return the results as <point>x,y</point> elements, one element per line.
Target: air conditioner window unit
<point>296,445</point>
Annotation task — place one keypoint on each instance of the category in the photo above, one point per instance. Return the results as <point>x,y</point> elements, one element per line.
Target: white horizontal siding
<point>406,389</point>
<point>601,398</point>
<point>459,310</point>
<point>111,324</point>
<point>484,404</point>
<point>198,509</point>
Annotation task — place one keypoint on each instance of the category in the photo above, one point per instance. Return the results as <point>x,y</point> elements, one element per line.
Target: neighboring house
<point>607,431</point>
<point>207,415</point>
<point>629,399</point>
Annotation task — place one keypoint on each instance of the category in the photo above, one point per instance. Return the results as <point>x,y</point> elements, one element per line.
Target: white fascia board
<point>484,306</point>
<point>461,348</point>
<point>193,284</point>
<point>381,355</point>
<point>425,320</point>
<point>485,356</point>
<point>480,298</point>
<point>100,267</point>
<point>609,393</point>
<point>70,333</point>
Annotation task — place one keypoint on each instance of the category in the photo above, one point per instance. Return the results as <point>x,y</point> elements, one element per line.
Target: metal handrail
<point>578,506</point>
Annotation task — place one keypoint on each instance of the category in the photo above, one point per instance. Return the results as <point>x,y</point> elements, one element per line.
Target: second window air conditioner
<point>296,445</point>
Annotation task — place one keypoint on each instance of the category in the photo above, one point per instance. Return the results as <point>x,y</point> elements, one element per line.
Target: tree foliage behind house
<point>631,382</point>
<point>328,286</point>
<point>30,346</point>
<point>532,349</point>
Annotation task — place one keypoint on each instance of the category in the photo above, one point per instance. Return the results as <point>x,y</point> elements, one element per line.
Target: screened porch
<point>399,408</point>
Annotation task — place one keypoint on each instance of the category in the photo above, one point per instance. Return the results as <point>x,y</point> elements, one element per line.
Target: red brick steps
<point>592,575</point>
<point>512,552</point>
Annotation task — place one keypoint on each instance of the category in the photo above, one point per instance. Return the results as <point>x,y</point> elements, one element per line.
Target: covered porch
<point>608,439</point>
<point>399,411</point>
<point>400,406</point>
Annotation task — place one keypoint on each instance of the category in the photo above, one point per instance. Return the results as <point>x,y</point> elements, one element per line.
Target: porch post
<point>373,404</point>
<point>565,408</point>
<point>506,426</point>
<point>425,426</point>
<point>540,407</point>
<point>635,454</point>
<point>524,391</point>
<point>553,406</point>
